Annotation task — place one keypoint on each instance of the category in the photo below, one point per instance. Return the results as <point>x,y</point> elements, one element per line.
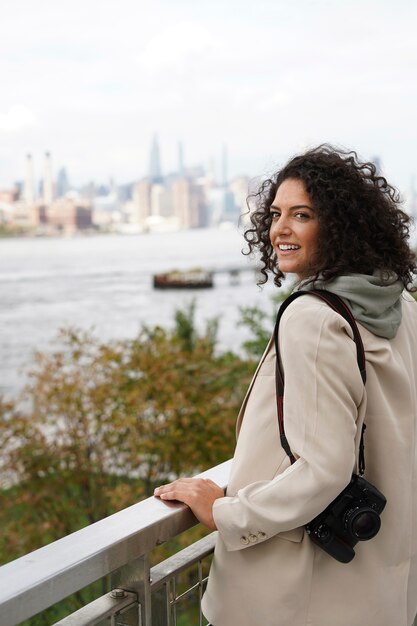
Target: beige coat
<point>266,570</point>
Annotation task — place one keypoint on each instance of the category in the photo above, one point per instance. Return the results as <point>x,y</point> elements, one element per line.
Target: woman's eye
<point>303,216</point>
<point>274,215</point>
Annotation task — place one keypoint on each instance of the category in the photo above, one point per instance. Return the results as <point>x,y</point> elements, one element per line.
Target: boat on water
<point>191,279</point>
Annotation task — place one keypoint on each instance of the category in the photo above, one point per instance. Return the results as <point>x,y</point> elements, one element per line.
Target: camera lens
<point>362,522</point>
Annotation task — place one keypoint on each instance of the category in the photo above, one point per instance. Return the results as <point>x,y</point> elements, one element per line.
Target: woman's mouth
<point>285,248</point>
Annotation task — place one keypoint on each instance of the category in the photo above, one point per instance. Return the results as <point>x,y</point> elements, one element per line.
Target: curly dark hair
<point>361,225</point>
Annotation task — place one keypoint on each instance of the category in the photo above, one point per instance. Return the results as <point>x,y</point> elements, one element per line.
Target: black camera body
<point>353,516</point>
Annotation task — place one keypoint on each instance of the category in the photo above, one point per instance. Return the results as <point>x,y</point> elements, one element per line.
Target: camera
<point>353,516</point>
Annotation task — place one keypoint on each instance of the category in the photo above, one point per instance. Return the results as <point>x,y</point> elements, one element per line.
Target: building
<point>62,183</point>
<point>29,183</point>
<point>189,204</point>
<point>161,202</point>
<point>240,190</point>
<point>48,183</point>
<point>67,215</point>
<point>155,171</point>
<point>8,199</point>
<point>141,209</point>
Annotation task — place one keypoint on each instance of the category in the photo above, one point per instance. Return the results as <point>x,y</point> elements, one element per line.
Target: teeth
<point>285,246</point>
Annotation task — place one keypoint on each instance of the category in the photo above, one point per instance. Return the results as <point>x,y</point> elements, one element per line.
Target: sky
<point>92,81</point>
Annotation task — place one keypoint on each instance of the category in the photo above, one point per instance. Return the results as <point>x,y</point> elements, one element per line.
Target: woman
<point>336,224</point>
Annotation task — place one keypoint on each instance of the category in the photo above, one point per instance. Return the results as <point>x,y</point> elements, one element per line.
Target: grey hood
<point>374,300</point>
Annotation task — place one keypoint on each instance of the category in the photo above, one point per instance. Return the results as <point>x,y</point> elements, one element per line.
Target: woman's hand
<point>198,493</point>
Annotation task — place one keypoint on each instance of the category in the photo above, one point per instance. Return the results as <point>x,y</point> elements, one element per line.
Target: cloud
<point>17,118</point>
<point>177,47</point>
<point>102,76</point>
<point>275,101</point>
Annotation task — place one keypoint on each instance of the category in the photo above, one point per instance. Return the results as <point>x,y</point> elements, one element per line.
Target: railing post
<point>135,576</point>
<point>161,606</point>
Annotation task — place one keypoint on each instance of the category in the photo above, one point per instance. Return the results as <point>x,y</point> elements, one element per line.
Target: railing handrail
<point>37,580</point>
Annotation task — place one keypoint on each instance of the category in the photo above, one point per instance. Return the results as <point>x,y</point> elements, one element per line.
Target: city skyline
<point>188,198</point>
<point>154,170</point>
<point>91,83</point>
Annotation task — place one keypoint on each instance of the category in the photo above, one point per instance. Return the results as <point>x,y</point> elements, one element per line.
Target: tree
<point>106,424</point>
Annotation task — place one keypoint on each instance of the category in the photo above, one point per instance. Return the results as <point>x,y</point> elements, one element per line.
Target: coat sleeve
<point>323,390</point>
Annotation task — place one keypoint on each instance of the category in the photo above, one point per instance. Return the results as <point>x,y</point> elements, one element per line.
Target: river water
<point>104,283</point>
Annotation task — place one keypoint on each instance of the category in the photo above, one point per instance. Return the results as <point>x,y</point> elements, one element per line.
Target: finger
<point>180,481</point>
<point>171,495</point>
<point>170,490</point>
<point>164,488</point>
<point>187,493</point>
<point>179,496</point>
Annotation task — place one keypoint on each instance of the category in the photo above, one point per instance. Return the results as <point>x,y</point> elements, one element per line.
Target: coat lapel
<point>245,400</point>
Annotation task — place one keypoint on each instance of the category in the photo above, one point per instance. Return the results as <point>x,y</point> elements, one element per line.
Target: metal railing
<point>118,546</point>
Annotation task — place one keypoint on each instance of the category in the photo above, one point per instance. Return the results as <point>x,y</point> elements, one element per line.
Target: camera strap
<point>338,305</point>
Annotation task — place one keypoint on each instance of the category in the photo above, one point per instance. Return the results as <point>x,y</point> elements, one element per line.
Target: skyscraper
<point>48,183</point>
<point>62,184</point>
<point>180,159</point>
<point>28,186</point>
<point>155,173</point>
<point>142,201</point>
<point>224,167</point>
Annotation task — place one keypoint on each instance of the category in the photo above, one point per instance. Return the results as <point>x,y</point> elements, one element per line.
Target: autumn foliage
<point>103,423</point>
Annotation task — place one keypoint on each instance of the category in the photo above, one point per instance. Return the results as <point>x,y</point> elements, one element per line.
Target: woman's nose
<point>280,226</point>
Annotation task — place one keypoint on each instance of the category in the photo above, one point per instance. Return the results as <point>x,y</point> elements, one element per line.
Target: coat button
<point>261,535</point>
<point>253,538</point>
<point>244,540</point>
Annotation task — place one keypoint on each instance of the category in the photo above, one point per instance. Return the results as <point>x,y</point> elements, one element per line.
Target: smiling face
<point>294,229</point>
